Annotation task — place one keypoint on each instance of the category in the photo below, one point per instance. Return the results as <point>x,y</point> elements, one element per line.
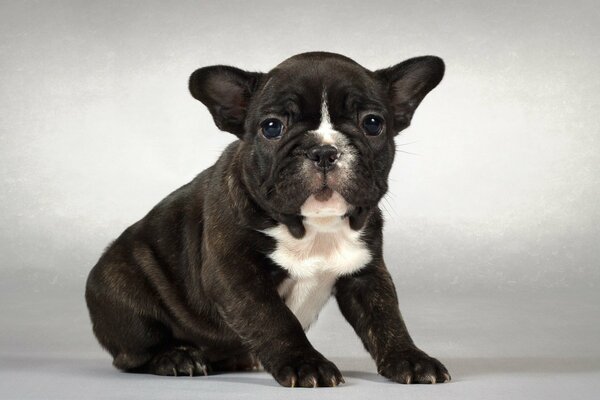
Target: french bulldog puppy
<point>230,270</point>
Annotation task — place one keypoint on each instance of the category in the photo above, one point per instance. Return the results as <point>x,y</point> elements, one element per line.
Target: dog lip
<point>331,204</point>
<point>324,194</point>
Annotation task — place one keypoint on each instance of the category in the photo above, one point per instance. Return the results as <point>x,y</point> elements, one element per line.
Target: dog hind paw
<point>179,361</point>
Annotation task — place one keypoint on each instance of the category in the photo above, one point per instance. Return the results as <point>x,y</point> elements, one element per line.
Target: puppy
<point>229,271</point>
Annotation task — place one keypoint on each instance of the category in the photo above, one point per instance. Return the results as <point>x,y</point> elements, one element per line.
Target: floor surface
<point>535,345</point>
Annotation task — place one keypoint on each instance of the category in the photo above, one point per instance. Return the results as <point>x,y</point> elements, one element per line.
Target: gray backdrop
<point>493,221</point>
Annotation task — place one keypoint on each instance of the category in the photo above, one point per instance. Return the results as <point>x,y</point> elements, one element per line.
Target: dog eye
<point>272,128</point>
<point>372,125</point>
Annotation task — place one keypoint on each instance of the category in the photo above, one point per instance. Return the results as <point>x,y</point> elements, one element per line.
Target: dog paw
<point>309,373</point>
<point>413,366</point>
<point>179,361</point>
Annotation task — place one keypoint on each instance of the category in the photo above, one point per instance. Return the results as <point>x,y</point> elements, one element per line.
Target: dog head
<point>318,130</point>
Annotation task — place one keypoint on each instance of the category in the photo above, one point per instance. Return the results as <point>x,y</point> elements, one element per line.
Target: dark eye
<point>272,128</point>
<point>372,125</point>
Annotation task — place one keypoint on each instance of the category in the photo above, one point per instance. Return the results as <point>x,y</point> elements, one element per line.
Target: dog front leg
<point>249,303</point>
<point>368,301</point>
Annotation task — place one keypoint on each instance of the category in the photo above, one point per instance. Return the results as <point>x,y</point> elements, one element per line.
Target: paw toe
<point>310,375</point>
<point>414,367</point>
<point>179,361</point>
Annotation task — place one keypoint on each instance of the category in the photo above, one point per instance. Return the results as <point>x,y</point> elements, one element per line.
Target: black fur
<point>189,289</point>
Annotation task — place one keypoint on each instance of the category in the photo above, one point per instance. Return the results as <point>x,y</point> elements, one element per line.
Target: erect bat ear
<point>226,92</point>
<point>408,83</point>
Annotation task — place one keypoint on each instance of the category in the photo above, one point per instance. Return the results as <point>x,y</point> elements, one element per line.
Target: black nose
<point>324,156</point>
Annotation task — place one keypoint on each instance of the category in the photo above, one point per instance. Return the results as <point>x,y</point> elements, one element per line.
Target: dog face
<point>318,129</point>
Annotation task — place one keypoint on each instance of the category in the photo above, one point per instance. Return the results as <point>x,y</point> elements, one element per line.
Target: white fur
<point>325,130</point>
<point>328,250</point>
<point>316,211</point>
<point>306,297</point>
<point>327,134</point>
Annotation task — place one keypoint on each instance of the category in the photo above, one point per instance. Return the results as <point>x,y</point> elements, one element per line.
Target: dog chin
<point>326,203</point>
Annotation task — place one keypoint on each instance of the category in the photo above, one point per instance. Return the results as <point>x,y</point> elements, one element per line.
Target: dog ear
<point>226,92</point>
<point>408,83</point>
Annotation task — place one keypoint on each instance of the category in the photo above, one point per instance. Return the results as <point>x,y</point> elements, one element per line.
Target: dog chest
<point>314,263</point>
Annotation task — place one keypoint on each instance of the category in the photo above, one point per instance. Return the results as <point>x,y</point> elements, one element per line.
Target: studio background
<point>492,219</point>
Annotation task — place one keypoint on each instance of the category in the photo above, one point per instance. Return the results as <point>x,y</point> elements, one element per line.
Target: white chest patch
<point>328,250</point>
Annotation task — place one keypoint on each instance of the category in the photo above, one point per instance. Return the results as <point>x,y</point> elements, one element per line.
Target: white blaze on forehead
<point>325,130</point>
<point>326,134</point>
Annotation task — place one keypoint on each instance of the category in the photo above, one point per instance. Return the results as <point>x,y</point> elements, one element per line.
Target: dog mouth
<point>324,184</point>
<point>326,202</point>
<point>323,194</point>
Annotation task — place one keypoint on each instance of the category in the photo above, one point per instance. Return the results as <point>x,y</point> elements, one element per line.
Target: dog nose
<point>324,156</point>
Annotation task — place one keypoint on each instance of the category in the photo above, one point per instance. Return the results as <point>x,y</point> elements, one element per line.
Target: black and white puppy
<point>230,270</point>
